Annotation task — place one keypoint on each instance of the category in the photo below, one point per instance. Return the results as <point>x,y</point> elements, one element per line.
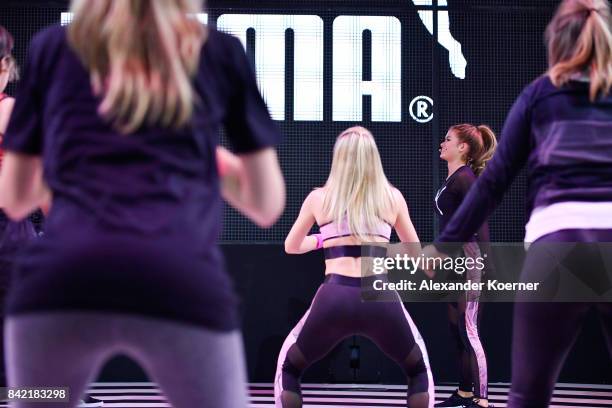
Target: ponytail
<point>482,144</point>
<point>489,144</point>
<point>579,39</point>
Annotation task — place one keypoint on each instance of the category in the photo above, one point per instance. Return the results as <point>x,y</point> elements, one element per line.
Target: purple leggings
<point>545,332</point>
<point>337,312</point>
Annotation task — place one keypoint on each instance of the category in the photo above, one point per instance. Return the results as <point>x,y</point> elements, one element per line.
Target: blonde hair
<point>141,55</point>
<point>6,56</point>
<point>357,186</point>
<point>579,39</point>
<point>482,142</point>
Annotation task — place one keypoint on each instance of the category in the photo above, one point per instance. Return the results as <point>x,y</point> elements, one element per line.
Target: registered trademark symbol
<point>421,109</point>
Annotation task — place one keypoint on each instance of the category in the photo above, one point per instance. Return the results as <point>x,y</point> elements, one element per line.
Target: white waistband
<point>568,215</point>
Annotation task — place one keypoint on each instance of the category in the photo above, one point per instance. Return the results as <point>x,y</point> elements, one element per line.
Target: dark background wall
<point>502,41</point>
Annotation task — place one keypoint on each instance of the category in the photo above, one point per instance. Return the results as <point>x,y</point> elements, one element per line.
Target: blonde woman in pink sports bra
<point>357,205</point>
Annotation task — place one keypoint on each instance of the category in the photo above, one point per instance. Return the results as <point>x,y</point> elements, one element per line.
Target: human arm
<point>6,107</point>
<point>252,181</point>
<point>297,241</point>
<point>252,184</point>
<point>403,224</point>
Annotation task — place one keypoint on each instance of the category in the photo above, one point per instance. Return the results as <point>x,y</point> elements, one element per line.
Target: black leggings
<point>545,332</point>
<point>464,321</point>
<point>465,331</point>
<point>337,312</point>
<point>14,236</point>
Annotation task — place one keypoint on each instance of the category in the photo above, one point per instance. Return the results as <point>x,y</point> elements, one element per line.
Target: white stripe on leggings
<point>282,356</point>
<point>292,338</point>
<point>421,343</point>
<point>471,327</point>
<point>471,320</point>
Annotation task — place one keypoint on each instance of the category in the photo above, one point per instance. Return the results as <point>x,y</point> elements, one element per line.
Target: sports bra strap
<point>355,251</point>
<point>332,230</point>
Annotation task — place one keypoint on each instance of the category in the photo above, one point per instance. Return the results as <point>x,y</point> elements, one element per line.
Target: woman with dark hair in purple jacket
<point>559,127</point>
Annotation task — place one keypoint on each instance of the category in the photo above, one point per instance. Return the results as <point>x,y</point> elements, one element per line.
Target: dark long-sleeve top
<point>135,218</point>
<point>450,196</point>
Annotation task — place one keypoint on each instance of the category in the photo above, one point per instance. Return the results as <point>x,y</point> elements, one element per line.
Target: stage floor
<point>147,395</point>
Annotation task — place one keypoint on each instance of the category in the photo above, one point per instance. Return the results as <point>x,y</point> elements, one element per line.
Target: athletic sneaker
<point>90,402</point>
<point>455,401</point>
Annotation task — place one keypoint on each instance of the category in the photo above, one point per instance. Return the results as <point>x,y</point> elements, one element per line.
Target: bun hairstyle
<point>481,141</point>
<point>579,41</point>
<point>6,56</point>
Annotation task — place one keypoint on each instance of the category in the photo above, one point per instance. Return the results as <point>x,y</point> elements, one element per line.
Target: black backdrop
<point>502,41</point>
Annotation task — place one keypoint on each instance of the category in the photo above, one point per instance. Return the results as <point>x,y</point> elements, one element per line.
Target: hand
<point>431,251</point>
<point>45,205</point>
<point>229,168</point>
<point>227,162</point>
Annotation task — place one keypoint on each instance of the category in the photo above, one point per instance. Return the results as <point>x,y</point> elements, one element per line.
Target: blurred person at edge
<point>118,117</point>
<point>13,235</point>
<point>559,126</point>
